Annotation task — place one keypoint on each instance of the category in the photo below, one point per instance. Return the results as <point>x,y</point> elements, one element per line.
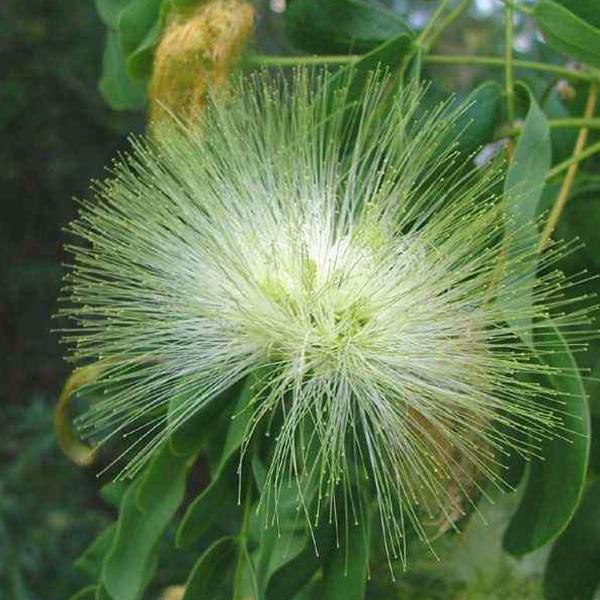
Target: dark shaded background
<point>57,133</point>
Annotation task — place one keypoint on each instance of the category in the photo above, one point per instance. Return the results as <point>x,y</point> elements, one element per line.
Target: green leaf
<point>118,89</point>
<point>210,501</point>
<point>341,26</point>
<point>588,10</point>
<point>523,189</point>
<point>90,561</point>
<point>568,33</point>
<point>572,569</point>
<point>87,593</point>
<point>211,576</point>
<point>146,509</point>
<point>110,11</point>
<point>291,576</point>
<point>112,493</point>
<point>140,61</point>
<point>391,55</point>
<point>554,485</point>
<point>281,542</point>
<point>135,21</point>
<point>346,568</point>
<point>139,30</point>
<point>190,435</point>
<point>477,121</point>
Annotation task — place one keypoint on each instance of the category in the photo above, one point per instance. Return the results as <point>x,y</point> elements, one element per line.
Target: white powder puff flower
<point>343,248</point>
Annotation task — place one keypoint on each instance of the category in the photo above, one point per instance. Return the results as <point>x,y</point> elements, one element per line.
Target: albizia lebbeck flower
<point>344,249</point>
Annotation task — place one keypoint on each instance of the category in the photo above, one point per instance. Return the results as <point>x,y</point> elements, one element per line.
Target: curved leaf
<point>523,189</point>
<point>289,578</point>
<point>211,576</point>
<point>572,570</point>
<point>139,29</point>
<point>146,510</point>
<point>568,33</point>
<point>555,485</point>
<point>115,85</point>
<point>341,26</point>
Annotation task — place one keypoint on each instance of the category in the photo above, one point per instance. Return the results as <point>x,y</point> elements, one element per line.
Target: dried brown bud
<point>197,51</point>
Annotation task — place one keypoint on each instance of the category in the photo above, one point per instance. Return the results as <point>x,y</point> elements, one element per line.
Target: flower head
<point>343,248</point>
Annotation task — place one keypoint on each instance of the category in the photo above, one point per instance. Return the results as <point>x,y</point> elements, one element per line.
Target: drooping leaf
<point>568,33</point>
<point>211,576</point>
<point>210,501</point>
<point>523,189</point>
<point>146,510</point>
<point>115,85</point>
<point>572,569</point>
<point>345,570</point>
<point>554,485</point>
<point>341,26</point>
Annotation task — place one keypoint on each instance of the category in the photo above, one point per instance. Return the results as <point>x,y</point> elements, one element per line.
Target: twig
<point>565,190</point>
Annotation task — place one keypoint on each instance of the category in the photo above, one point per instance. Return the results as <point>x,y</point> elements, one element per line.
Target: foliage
<point>222,541</point>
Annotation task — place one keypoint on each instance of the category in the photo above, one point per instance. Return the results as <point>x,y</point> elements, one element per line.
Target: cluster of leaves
<point>280,562</point>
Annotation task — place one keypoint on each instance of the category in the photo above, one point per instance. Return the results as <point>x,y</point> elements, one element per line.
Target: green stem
<point>565,190</point>
<point>571,123</point>
<point>517,7</point>
<point>575,122</point>
<point>494,61</point>
<point>265,60</point>
<point>450,18</point>
<point>268,60</point>
<point>428,29</point>
<point>563,166</point>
